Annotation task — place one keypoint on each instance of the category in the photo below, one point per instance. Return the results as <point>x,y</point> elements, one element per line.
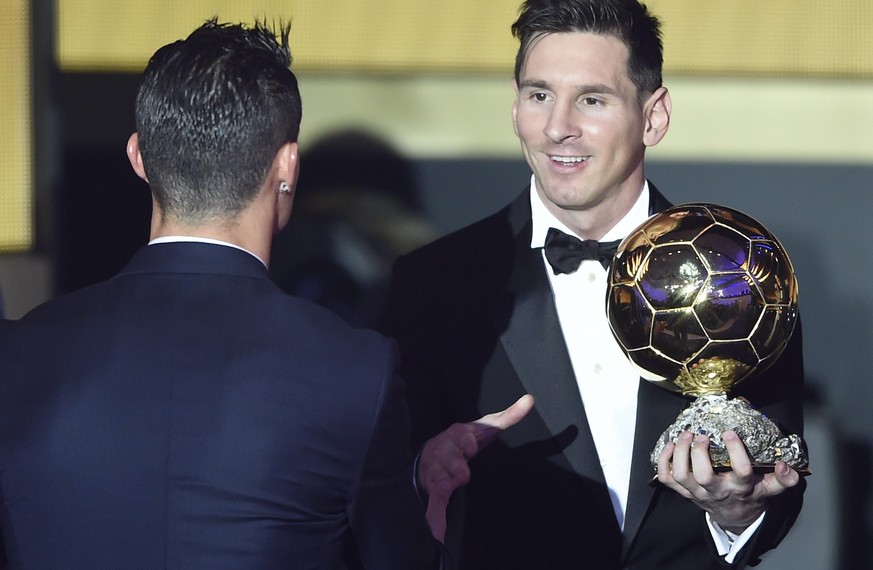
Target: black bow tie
<point>564,253</point>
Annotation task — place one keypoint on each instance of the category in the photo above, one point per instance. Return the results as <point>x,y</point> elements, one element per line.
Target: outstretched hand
<point>443,464</point>
<point>734,499</point>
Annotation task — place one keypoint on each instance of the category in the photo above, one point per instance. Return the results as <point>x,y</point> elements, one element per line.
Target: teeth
<point>568,159</point>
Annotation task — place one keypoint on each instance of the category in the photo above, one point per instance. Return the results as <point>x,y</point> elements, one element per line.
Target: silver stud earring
<point>284,188</point>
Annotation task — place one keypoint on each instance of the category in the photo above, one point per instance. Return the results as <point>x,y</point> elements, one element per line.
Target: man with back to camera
<point>483,319</point>
<point>187,413</point>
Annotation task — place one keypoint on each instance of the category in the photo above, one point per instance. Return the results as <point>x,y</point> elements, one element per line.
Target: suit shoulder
<point>69,306</point>
<point>298,312</point>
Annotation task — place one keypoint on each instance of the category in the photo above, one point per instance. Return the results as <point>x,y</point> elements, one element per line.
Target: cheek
<point>601,125</point>
<point>528,128</point>
<point>619,137</point>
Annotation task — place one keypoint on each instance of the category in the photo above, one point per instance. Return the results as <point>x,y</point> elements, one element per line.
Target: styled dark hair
<point>211,113</point>
<point>628,20</point>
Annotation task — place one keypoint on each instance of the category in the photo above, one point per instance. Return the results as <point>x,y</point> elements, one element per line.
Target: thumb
<point>785,477</point>
<point>487,428</point>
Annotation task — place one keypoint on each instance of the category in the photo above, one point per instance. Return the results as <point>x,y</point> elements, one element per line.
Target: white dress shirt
<point>607,381</point>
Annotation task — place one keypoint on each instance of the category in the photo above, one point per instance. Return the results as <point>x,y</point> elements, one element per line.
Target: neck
<point>596,221</point>
<point>245,231</point>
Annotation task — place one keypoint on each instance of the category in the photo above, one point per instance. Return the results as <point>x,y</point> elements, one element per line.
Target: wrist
<point>738,526</point>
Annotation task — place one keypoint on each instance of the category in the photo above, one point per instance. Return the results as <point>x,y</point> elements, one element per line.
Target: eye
<point>591,101</point>
<point>539,97</point>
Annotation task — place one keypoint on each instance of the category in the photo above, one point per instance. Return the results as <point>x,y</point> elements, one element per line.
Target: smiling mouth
<point>568,159</point>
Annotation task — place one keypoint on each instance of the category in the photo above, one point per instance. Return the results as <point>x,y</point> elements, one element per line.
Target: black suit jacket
<point>474,316</point>
<point>188,414</point>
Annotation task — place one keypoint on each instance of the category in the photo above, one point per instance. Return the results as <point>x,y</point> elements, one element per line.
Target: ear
<point>286,165</point>
<point>134,156</point>
<point>515,107</point>
<point>286,168</point>
<point>657,110</point>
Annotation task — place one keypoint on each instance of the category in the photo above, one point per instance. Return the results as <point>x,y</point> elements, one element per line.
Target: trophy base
<point>713,414</point>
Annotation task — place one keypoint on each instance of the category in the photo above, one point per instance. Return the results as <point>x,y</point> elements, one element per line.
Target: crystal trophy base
<point>713,414</point>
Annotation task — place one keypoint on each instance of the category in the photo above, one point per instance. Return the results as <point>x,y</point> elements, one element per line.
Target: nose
<point>562,124</point>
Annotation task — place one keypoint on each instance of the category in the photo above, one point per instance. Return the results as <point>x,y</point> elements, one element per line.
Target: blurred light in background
<point>16,148</point>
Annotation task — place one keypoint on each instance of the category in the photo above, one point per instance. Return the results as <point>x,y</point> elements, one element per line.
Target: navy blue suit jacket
<point>188,414</point>
<point>475,319</point>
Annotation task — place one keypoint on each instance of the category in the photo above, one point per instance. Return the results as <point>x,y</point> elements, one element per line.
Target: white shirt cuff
<point>729,544</point>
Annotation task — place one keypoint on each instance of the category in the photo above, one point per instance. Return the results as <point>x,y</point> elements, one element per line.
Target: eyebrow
<point>535,84</point>
<point>580,89</point>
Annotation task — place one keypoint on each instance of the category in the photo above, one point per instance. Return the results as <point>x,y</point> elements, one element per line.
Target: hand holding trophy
<point>702,297</point>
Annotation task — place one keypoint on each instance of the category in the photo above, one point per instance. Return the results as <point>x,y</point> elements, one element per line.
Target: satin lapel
<point>535,346</point>
<point>656,409</point>
<point>657,202</point>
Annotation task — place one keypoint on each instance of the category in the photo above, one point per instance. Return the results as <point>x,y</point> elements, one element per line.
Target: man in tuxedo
<point>187,413</point>
<point>483,319</point>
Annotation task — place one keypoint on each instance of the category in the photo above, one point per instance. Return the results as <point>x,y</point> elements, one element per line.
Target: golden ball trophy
<point>702,297</point>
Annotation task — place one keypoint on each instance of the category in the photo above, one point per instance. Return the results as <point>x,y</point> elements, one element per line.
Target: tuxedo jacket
<point>188,414</point>
<point>475,319</point>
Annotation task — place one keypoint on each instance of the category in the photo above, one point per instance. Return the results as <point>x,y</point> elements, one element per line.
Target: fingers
<point>688,463</point>
<point>685,465</point>
<point>488,427</point>
<point>733,498</point>
<point>783,477</point>
<point>443,464</point>
<point>681,464</point>
<point>701,463</point>
<point>510,416</point>
<point>436,514</point>
<point>665,464</point>
<point>741,463</point>
<point>688,467</point>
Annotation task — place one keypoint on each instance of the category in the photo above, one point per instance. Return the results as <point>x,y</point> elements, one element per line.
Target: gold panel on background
<point>16,191</point>
<point>775,37</point>
<point>800,38</point>
<point>385,36</point>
